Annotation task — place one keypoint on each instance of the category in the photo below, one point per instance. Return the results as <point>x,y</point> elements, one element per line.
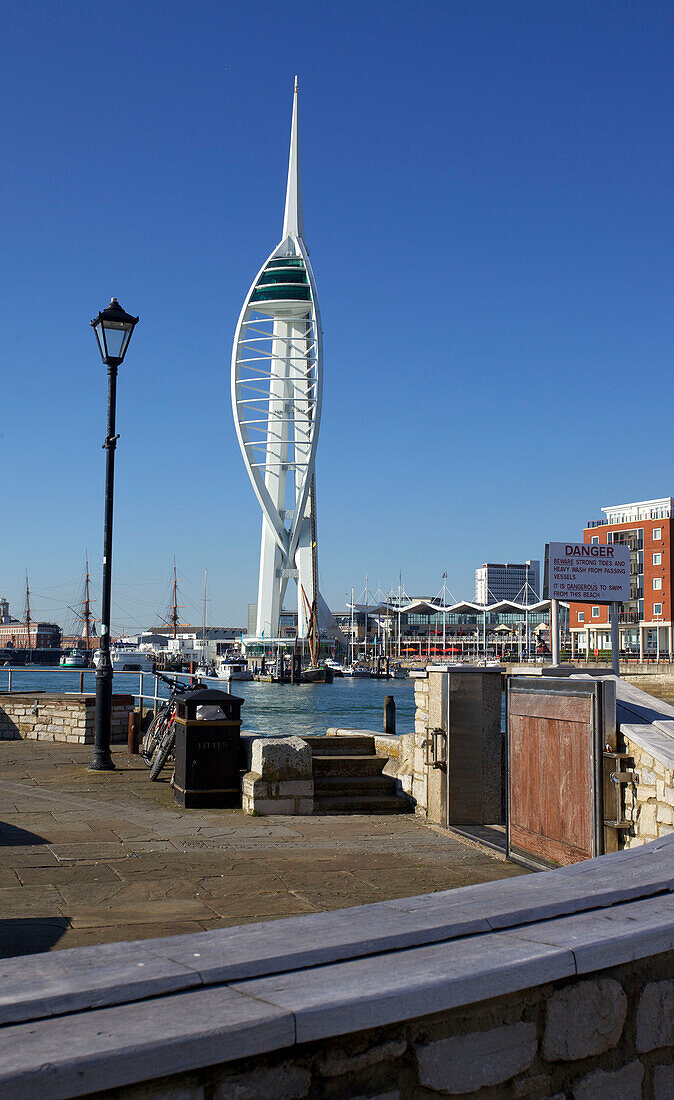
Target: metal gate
<point>560,733</point>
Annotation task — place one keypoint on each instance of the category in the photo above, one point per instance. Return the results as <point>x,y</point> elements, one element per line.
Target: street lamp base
<point>101,761</point>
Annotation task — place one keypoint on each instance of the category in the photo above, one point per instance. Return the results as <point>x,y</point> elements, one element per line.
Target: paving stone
<point>52,786</point>
<point>139,913</point>
<point>623,1084</point>
<point>87,852</point>
<point>584,1019</point>
<point>29,901</point>
<point>655,1016</point>
<point>465,1063</point>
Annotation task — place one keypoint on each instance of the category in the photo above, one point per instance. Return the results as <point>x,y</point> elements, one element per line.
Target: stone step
<point>364,785</point>
<point>355,804</point>
<point>358,745</point>
<point>348,765</point>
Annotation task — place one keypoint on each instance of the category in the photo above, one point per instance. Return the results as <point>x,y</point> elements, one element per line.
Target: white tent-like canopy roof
<point>465,607</point>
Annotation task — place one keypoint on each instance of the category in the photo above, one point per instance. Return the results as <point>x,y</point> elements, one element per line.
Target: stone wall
<point>603,1036</point>
<point>419,789</point>
<point>555,985</point>
<point>39,716</point>
<point>649,799</point>
<point>646,728</point>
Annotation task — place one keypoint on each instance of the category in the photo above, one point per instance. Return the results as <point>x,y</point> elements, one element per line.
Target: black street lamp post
<point>113,328</point>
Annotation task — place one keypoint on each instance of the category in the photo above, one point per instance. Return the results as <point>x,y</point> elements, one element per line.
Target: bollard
<point>389,715</point>
<point>81,683</point>
<point>134,732</point>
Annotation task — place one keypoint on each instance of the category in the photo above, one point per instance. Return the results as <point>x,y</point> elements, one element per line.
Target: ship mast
<point>174,610</point>
<point>28,619</point>
<point>86,610</point>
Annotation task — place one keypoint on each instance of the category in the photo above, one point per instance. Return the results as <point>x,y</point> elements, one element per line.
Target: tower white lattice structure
<point>276,400</point>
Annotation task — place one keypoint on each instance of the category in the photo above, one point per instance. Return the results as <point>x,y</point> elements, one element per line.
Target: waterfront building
<point>645,621</point>
<point>496,581</point>
<point>15,634</point>
<point>406,627</point>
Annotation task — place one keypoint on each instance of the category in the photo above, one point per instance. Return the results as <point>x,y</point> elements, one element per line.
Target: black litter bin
<point>207,749</point>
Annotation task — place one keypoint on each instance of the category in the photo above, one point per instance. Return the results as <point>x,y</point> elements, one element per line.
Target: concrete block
<point>304,806</point>
<point>301,788</point>
<point>279,758</point>
<point>466,1063</point>
<point>612,935</point>
<point>255,787</point>
<point>270,806</point>
<point>655,1016</point>
<point>583,1020</point>
<point>284,1082</point>
<point>366,992</point>
<point>112,1047</point>
<point>623,1084</point>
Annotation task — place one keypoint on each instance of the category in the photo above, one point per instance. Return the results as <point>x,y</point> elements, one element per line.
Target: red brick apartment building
<point>646,619</point>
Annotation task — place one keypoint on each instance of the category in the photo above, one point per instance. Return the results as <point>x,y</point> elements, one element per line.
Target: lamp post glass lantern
<point>113,328</point>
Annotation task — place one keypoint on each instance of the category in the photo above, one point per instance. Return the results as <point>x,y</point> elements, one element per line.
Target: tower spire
<point>293,218</point>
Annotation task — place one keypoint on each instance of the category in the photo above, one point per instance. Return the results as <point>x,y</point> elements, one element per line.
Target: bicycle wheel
<point>152,736</point>
<point>162,752</point>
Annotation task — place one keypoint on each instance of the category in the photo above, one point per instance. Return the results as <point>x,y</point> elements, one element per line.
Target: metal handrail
<point>141,695</point>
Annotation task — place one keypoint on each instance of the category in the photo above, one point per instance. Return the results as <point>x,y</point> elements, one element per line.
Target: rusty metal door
<point>557,730</point>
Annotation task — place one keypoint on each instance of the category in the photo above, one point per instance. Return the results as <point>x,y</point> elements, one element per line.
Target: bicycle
<point>161,725</point>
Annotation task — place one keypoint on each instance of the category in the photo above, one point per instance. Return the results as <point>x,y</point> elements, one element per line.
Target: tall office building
<point>508,581</point>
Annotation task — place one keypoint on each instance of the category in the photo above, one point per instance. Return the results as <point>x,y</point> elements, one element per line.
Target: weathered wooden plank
<point>567,708</point>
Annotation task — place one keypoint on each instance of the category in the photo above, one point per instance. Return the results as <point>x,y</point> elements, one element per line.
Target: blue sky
<point>487,193</point>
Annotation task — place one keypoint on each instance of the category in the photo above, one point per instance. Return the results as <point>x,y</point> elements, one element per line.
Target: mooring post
<point>134,732</point>
<point>389,715</point>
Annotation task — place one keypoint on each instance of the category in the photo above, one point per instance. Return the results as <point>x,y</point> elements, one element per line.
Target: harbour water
<point>269,709</point>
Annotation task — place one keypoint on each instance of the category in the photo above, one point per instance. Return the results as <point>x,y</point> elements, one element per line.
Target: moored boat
<point>75,659</point>
<point>317,674</point>
<point>233,669</point>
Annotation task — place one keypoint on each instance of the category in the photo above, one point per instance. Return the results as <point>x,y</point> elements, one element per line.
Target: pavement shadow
<point>29,935</point>
<point>13,836</point>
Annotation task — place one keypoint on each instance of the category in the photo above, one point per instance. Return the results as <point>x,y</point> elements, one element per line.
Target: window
<point>595,612</point>
<point>657,533</point>
<point>657,559</point>
<point>657,609</point>
<point>657,582</point>
<point>581,616</point>
<point>595,540</point>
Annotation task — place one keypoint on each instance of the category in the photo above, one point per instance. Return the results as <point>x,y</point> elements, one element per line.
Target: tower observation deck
<point>277,383</point>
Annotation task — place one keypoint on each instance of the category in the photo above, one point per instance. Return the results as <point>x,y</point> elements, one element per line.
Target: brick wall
<point>44,717</point>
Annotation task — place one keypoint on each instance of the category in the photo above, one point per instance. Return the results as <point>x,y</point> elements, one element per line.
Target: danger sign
<point>588,573</point>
